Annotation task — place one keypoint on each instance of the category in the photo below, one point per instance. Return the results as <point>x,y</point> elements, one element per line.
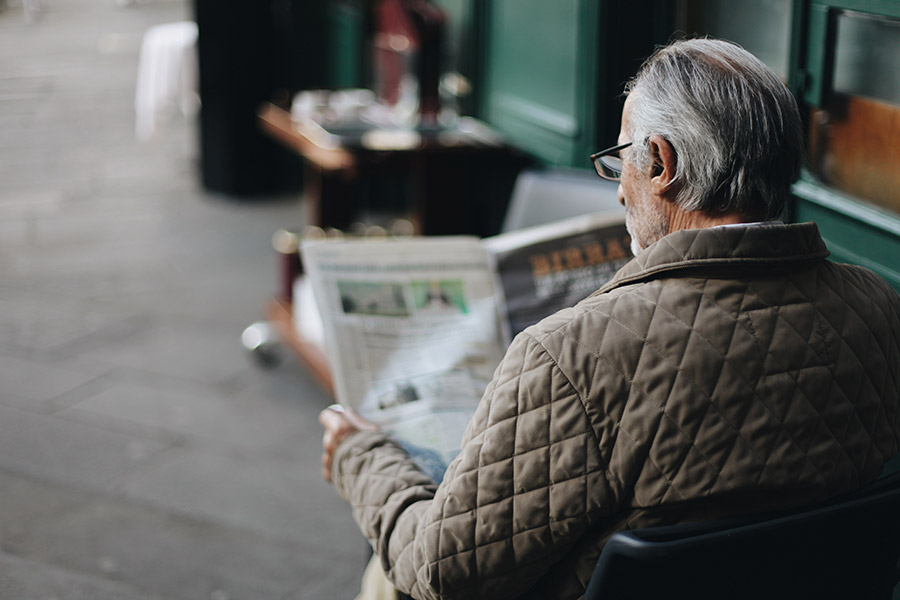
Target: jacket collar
<point>748,245</point>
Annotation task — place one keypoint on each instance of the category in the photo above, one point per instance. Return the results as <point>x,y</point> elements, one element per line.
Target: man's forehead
<point>626,116</point>
<point>626,108</point>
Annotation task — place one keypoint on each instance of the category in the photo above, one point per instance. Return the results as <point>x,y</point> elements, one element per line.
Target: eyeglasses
<point>608,163</point>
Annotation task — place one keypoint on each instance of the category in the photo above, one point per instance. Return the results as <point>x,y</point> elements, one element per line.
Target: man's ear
<point>665,162</point>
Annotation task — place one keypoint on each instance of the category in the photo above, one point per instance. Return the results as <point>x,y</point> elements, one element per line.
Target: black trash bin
<point>249,54</point>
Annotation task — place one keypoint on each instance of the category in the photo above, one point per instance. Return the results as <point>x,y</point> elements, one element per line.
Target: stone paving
<point>142,454</point>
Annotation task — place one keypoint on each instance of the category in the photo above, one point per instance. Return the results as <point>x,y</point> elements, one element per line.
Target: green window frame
<point>854,230</point>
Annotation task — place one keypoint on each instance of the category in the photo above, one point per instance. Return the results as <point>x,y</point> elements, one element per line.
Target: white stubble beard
<point>645,229</point>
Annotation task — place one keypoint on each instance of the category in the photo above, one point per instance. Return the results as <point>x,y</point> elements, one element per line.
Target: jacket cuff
<point>356,445</point>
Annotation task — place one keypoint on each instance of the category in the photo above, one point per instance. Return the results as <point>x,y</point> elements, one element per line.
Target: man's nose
<point>621,195</point>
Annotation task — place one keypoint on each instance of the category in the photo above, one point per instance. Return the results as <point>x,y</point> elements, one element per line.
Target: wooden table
<point>446,171</point>
<point>312,356</point>
<point>459,182</point>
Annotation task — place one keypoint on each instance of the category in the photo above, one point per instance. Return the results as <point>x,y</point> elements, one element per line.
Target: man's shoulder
<point>627,303</point>
<point>631,307</point>
<point>857,283</point>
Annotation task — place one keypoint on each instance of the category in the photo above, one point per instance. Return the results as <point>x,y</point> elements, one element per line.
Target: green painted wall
<point>538,84</point>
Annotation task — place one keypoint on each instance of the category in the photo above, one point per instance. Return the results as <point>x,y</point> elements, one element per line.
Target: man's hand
<point>339,422</point>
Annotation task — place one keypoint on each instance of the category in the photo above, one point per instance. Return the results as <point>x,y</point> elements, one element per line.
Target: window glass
<point>853,136</point>
<point>867,61</point>
<point>762,27</point>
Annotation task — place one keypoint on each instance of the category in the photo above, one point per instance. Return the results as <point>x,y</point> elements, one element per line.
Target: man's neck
<point>699,220</point>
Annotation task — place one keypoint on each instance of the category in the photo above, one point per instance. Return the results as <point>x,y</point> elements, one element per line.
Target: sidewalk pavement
<point>142,454</point>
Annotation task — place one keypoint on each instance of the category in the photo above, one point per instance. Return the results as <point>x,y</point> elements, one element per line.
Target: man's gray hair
<point>733,124</point>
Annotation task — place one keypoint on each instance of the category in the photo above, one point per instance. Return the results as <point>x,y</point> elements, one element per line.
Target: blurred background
<point>143,454</point>
<point>160,158</point>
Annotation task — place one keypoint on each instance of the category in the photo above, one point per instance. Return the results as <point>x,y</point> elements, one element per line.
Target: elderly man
<point>729,368</point>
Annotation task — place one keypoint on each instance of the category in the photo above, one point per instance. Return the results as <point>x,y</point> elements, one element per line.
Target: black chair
<point>847,549</point>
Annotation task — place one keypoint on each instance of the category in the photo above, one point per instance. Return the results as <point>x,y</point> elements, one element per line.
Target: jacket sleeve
<point>527,484</point>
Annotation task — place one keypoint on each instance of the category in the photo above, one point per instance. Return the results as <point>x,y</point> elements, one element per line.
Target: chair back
<point>540,197</point>
<point>846,549</point>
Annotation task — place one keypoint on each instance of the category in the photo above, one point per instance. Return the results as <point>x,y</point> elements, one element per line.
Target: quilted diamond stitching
<point>885,351</point>
<point>766,349</point>
<point>618,424</point>
<point>692,332</point>
<point>629,379</point>
<point>866,292</point>
<point>788,323</point>
<point>801,376</point>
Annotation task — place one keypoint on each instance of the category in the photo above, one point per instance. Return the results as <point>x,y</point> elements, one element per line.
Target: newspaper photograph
<point>413,331</point>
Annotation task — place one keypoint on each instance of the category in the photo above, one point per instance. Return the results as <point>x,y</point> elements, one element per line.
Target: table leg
<point>331,198</point>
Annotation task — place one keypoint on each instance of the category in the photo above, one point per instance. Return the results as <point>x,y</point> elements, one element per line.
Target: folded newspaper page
<point>546,268</point>
<point>412,329</point>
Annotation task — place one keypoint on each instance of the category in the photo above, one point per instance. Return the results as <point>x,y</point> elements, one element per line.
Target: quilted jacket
<point>722,371</point>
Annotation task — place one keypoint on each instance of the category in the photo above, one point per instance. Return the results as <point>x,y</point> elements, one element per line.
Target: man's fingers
<point>330,418</point>
<point>326,466</point>
<point>335,417</point>
<point>331,440</point>
<point>338,424</point>
<point>357,421</point>
<point>337,427</point>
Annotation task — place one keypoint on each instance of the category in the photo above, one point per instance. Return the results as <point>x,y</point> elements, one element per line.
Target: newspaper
<point>547,268</point>
<point>414,329</point>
